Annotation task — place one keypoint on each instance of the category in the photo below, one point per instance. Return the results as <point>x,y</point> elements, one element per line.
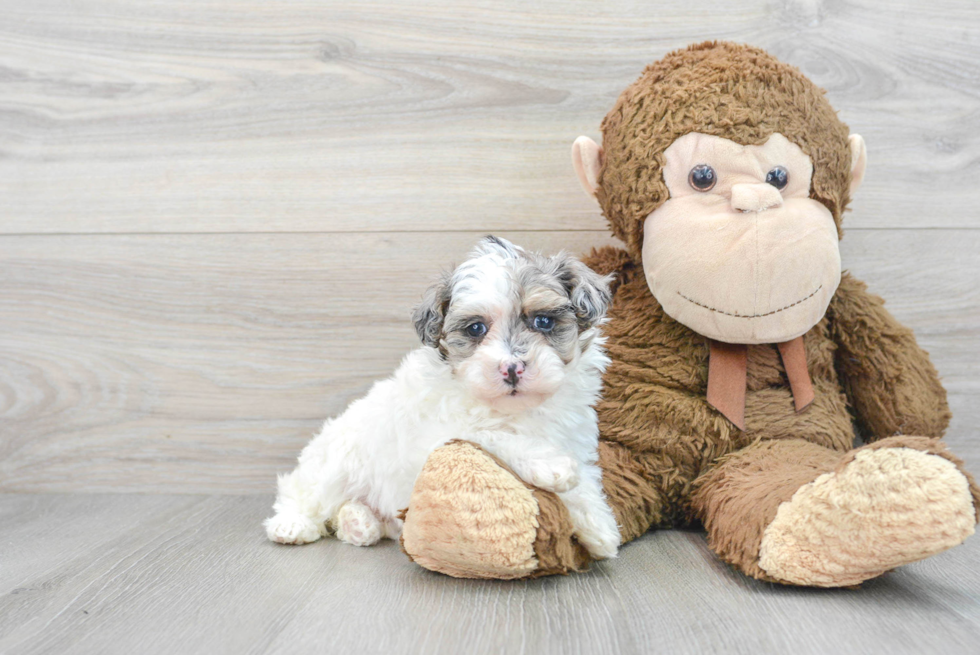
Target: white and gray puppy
<point>512,361</point>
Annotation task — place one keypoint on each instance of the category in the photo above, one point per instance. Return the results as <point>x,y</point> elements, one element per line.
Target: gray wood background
<point>215,217</point>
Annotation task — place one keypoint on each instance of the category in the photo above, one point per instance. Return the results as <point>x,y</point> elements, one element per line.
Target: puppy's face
<point>511,323</point>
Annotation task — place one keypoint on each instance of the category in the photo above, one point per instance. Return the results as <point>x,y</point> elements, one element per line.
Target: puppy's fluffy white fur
<point>492,372</point>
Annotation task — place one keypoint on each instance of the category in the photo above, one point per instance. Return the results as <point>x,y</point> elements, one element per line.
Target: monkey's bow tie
<point>727,376</point>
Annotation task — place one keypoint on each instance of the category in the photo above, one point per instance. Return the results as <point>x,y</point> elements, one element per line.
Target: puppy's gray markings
<point>512,361</point>
<point>559,287</point>
<point>429,314</point>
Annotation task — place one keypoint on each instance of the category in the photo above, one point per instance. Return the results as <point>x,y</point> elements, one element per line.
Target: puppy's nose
<point>512,372</point>
<point>755,197</point>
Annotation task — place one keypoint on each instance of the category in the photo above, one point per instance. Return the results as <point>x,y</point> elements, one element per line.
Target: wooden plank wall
<point>216,216</point>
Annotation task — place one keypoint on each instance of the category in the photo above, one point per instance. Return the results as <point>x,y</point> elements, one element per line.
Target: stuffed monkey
<point>744,361</point>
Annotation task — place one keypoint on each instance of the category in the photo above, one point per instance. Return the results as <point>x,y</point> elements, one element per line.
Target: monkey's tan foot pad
<point>884,508</point>
<point>471,517</point>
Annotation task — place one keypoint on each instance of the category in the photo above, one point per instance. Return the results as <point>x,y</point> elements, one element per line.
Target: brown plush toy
<point>742,358</point>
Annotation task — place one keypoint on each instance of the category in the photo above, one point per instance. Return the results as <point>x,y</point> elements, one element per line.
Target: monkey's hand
<point>470,516</point>
<point>887,377</point>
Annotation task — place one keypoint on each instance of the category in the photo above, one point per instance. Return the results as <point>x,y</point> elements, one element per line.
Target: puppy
<point>512,360</point>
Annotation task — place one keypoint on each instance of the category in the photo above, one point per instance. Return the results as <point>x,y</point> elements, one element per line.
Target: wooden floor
<point>215,218</point>
<point>193,574</point>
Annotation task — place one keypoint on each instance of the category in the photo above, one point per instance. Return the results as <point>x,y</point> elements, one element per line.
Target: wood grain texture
<point>216,215</point>
<point>145,362</point>
<point>203,363</point>
<point>194,574</point>
<point>231,115</point>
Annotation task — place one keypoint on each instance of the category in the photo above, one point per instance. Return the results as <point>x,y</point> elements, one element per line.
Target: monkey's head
<point>726,172</point>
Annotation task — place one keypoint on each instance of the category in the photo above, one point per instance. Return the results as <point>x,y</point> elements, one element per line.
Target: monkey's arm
<point>888,378</point>
<point>649,402</point>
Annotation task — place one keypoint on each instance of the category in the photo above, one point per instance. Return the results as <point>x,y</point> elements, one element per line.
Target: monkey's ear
<point>587,160</point>
<point>859,159</point>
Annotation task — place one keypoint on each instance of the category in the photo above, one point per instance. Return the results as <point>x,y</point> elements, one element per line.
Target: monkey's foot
<point>471,517</point>
<point>883,508</point>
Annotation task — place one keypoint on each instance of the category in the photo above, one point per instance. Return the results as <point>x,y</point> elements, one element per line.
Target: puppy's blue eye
<point>476,329</point>
<point>544,323</point>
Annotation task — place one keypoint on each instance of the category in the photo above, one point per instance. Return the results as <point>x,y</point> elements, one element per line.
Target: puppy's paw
<point>392,528</point>
<point>601,544</point>
<point>554,474</point>
<point>357,525</point>
<point>595,524</point>
<point>288,528</point>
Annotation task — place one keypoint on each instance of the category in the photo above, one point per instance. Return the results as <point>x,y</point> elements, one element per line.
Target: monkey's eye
<point>544,323</point>
<point>702,177</point>
<point>778,177</point>
<point>476,330</point>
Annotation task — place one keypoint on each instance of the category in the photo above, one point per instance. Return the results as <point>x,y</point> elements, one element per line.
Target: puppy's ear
<point>431,312</point>
<point>588,291</point>
<point>491,244</point>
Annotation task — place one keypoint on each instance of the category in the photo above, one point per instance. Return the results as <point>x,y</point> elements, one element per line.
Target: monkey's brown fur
<point>722,89</point>
<point>659,433</point>
<point>662,442</point>
<point>738,497</point>
<point>668,457</point>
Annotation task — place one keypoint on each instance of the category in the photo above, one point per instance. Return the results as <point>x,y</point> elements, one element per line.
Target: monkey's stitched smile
<point>737,315</point>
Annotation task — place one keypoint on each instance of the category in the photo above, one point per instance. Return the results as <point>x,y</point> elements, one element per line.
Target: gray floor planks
<point>194,574</point>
